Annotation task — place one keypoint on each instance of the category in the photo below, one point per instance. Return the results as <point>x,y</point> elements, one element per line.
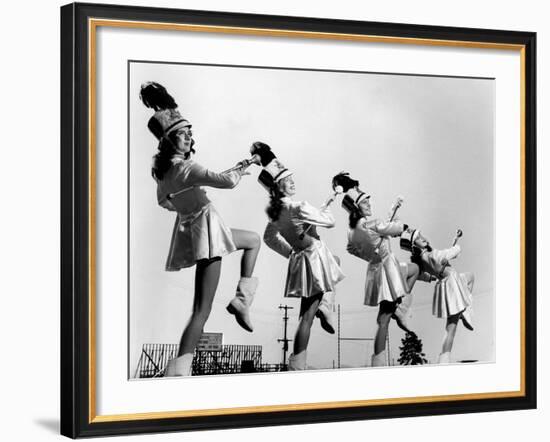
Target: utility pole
<point>338,335</point>
<point>285,340</point>
<point>388,347</point>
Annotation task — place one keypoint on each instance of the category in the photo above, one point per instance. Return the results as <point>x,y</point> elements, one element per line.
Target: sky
<point>429,139</point>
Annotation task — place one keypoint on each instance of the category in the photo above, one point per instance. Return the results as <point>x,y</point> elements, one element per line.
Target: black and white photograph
<point>276,220</point>
<point>284,219</point>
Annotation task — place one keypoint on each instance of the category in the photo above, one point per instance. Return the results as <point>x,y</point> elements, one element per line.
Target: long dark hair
<point>275,206</point>
<point>354,217</point>
<point>162,161</point>
<point>416,252</point>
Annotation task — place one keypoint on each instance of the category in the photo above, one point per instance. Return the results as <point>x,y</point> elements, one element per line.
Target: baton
<point>242,164</point>
<point>458,235</point>
<point>337,191</point>
<point>398,203</point>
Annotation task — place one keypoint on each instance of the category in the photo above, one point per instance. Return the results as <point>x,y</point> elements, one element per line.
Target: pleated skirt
<point>312,271</point>
<point>386,281</point>
<point>200,235</point>
<point>452,294</point>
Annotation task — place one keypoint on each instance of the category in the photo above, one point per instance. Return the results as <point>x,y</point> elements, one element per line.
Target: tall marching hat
<point>167,117</point>
<point>273,170</point>
<point>344,181</point>
<point>407,239</point>
<point>353,197</point>
<point>350,186</point>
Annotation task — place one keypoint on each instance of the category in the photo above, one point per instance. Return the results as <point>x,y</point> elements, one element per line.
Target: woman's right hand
<point>242,168</point>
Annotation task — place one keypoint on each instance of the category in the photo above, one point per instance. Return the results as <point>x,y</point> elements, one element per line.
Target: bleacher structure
<point>231,359</point>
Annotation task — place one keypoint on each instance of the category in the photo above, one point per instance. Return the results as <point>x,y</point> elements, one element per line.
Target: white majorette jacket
<point>385,274</point>
<point>453,290</point>
<point>370,241</point>
<point>312,268</point>
<point>199,231</point>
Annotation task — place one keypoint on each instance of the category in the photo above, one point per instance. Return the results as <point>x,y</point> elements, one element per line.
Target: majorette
<point>313,271</point>
<point>200,236</point>
<point>388,282</point>
<point>452,298</point>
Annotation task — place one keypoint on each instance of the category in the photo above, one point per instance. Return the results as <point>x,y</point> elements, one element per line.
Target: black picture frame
<point>77,405</point>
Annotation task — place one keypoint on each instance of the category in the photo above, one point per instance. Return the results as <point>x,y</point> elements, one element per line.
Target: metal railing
<point>231,359</point>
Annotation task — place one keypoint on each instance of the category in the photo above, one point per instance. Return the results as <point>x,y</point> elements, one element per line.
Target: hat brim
<point>284,174</point>
<point>179,125</point>
<point>362,197</point>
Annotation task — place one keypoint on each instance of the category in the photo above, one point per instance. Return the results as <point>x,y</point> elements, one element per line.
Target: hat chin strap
<point>180,151</point>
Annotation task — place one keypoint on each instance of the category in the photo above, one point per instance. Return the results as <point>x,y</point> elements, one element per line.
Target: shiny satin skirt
<point>386,281</point>
<point>312,271</point>
<point>452,294</point>
<point>200,235</point>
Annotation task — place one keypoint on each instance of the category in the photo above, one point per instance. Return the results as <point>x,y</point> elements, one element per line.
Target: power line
<point>340,339</point>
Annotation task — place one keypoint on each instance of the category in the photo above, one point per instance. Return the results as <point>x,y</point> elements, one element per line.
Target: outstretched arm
<point>389,228</point>
<point>200,176</point>
<point>444,256</point>
<point>317,217</point>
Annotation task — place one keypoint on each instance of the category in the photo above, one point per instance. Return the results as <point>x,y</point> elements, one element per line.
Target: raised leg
<point>412,275</point>
<point>326,308</point>
<point>239,306</point>
<point>324,312</point>
<point>402,313</point>
<point>470,279</point>
<point>466,315</point>
<point>250,243</point>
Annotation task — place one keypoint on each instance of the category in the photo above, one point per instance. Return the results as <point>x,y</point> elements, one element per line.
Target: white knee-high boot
<point>403,312</point>
<point>239,305</point>
<point>324,312</point>
<point>298,361</point>
<point>379,360</point>
<point>180,366</point>
<point>466,317</point>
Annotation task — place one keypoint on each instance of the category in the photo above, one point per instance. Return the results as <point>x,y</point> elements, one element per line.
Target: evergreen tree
<point>411,350</point>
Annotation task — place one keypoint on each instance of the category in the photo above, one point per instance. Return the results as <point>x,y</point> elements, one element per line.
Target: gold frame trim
<point>93,24</point>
